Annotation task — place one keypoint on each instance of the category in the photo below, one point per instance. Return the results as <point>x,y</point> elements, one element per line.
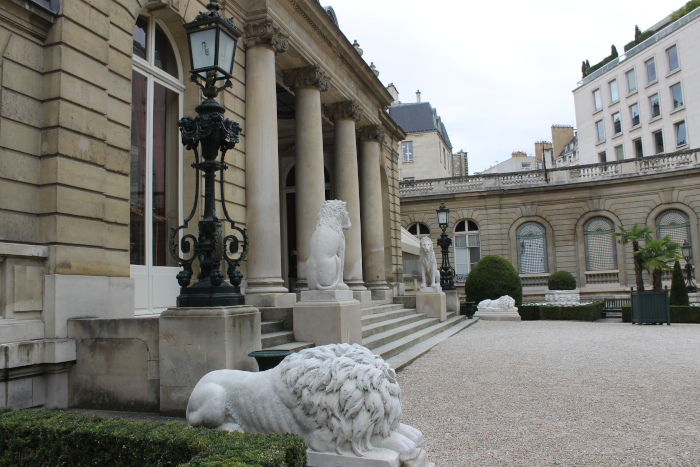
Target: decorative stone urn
<point>562,297</point>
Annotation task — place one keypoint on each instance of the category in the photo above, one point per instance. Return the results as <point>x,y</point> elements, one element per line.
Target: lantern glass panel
<point>203,47</point>
<point>442,217</point>
<point>686,250</point>
<point>227,49</point>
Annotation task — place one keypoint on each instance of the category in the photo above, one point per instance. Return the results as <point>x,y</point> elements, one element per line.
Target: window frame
<point>603,157</point>
<point>668,58</point>
<point>639,116</point>
<point>617,123</point>
<point>613,98</point>
<point>600,125</point>
<point>596,92</point>
<point>619,149</point>
<point>405,144</point>
<point>466,233</point>
<point>676,127</point>
<point>673,98</point>
<point>627,75</point>
<point>587,234</point>
<point>641,144</point>
<point>656,74</point>
<point>656,143</point>
<point>658,105</point>
<point>521,246</point>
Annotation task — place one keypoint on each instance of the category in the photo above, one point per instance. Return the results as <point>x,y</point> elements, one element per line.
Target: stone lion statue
<point>428,264</point>
<point>505,303</point>
<point>339,398</point>
<point>324,268</point>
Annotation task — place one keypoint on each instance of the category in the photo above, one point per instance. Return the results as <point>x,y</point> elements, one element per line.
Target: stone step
<point>386,315</point>
<point>389,324</point>
<point>370,310</point>
<point>293,346</point>
<point>391,335</point>
<point>267,327</point>
<point>409,355</point>
<point>273,339</point>
<point>406,342</point>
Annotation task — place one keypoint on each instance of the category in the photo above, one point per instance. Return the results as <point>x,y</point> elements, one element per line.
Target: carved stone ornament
<point>430,276</point>
<point>310,76</point>
<point>324,268</point>
<point>371,133</point>
<point>340,398</point>
<point>266,33</point>
<point>505,303</point>
<point>343,110</point>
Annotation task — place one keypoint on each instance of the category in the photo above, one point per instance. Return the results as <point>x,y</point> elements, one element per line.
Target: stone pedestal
<point>195,341</point>
<point>452,300</point>
<point>328,317</point>
<point>433,303</point>
<point>385,295</point>
<point>498,315</point>
<point>363,296</point>
<point>563,297</point>
<point>274,300</point>
<point>376,458</point>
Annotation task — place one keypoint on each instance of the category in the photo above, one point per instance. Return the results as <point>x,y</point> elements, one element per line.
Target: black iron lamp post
<point>687,252</point>
<point>447,272</point>
<point>212,39</point>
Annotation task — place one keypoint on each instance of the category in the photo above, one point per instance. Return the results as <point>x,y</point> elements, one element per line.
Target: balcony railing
<point>602,277</point>
<point>565,175</point>
<point>634,50</point>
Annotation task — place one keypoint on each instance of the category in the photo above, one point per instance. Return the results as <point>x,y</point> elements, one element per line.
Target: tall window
<point>597,100</point>
<point>674,223</point>
<point>407,149</point>
<point>601,254</point>
<point>418,229</point>
<point>672,54</point>
<point>619,153</point>
<point>651,71</point>
<point>681,136</point>
<point>613,91</point>
<point>467,247</point>
<point>655,106</point>
<point>677,95</point>
<point>634,111</point>
<point>156,96</point>
<point>638,149</point>
<point>600,126</point>
<point>631,81</point>
<point>602,157</point>
<point>658,138</point>
<point>532,248</point>
<point>617,123</point>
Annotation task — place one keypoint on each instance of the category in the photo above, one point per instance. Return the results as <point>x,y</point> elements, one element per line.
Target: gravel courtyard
<point>565,393</point>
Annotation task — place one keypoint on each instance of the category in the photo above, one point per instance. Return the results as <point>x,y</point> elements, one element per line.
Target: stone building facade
<point>93,175</point>
<point>545,226</point>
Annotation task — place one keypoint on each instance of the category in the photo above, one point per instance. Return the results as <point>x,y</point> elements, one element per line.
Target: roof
<point>418,116</point>
<point>573,141</point>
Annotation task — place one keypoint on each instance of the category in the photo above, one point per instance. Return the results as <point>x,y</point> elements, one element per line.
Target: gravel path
<point>543,393</point>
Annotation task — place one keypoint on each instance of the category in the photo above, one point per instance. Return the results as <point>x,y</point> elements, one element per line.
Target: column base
<point>363,296</point>
<point>195,341</point>
<point>433,304</point>
<point>274,300</point>
<point>452,300</point>
<point>328,317</point>
<point>355,284</point>
<point>265,285</point>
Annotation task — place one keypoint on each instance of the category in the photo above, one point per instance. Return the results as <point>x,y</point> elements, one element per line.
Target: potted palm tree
<point>634,235</point>
<point>656,256</point>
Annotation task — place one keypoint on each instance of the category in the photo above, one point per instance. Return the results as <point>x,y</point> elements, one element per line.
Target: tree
<point>493,277</point>
<point>613,51</point>
<point>634,235</point>
<point>637,33</point>
<point>656,256</point>
<point>679,291</point>
<point>583,69</point>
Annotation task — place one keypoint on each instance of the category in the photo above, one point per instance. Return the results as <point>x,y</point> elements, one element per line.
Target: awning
<point>409,243</point>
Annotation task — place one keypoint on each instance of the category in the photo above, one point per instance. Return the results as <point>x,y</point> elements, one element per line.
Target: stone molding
<point>265,32</point>
<point>307,77</point>
<point>371,133</point>
<point>349,110</point>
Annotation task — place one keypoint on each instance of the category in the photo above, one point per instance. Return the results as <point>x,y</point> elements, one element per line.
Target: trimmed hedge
<point>529,312</point>
<point>49,437</point>
<point>561,280</point>
<point>679,314</point>
<point>589,312</point>
<point>491,278</point>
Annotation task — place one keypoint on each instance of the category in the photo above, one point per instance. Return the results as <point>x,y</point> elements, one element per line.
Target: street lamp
<point>212,40</point>
<point>447,272</point>
<point>687,252</point>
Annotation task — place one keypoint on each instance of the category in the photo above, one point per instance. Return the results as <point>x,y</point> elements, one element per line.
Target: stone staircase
<point>397,333</point>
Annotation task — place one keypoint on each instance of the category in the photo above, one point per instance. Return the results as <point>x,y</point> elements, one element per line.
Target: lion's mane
<point>347,389</point>
<point>331,215</point>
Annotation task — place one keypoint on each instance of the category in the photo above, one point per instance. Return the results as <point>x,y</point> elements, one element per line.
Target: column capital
<point>265,32</point>
<point>349,110</point>
<point>306,77</point>
<point>371,133</point>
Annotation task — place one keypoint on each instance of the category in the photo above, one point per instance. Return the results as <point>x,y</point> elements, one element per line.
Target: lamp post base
<point>208,296</point>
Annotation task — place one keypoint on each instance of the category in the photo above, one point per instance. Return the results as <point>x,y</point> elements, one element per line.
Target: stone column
<point>307,83</point>
<point>265,283</point>
<point>347,186</point>
<point>372,217</point>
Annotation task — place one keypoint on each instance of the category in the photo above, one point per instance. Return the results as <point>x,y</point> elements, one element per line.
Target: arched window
<point>676,224</point>
<point>156,96</point>
<point>601,254</point>
<point>467,248</point>
<point>418,229</point>
<point>532,248</point>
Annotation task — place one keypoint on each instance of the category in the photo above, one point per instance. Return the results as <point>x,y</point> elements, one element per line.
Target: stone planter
<point>562,297</point>
<point>651,307</point>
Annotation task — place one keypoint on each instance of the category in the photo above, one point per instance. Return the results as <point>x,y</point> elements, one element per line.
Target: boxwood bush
<point>493,277</point>
<point>529,312</point>
<point>679,314</point>
<point>47,437</point>
<point>561,280</point>
<point>589,312</point>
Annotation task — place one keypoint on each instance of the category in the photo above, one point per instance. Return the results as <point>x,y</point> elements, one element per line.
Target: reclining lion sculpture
<point>339,398</point>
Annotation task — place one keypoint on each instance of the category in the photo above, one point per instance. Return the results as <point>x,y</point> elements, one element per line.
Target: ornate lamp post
<point>687,252</point>
<point>212,42</point>
<point>447,272</point>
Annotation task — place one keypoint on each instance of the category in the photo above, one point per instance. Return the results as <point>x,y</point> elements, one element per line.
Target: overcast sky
<point>499,73</point>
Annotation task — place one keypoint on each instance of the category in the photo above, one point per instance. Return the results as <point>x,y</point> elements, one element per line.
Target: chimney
<point>561,135</point>
<point>418,96</point>
<point>394,93</point>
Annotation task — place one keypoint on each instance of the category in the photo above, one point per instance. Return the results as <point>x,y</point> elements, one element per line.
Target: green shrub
<point>684,10</point>
<point>642,37</point>
<point>529,312</point>
<point>679,291</point>
<point>626,313</point>
<point>679,314</point>
<point>46,437</point>
<point>589,312</point>
<point>493,277</point>
<point>561,280</point>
